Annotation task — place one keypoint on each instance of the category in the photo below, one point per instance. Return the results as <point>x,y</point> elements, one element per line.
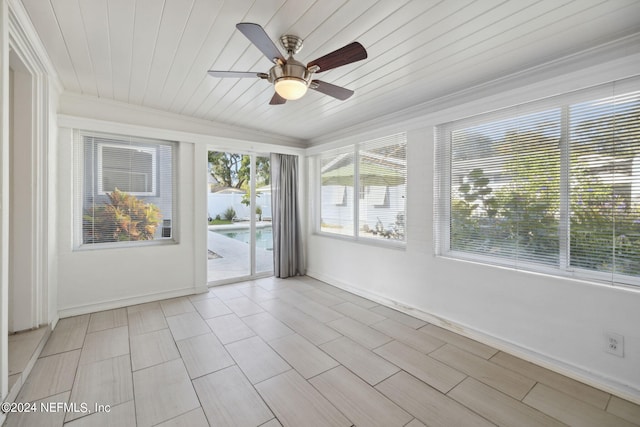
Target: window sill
<point>585,276</point>
<point>382,243</point>
<point>124,245</point>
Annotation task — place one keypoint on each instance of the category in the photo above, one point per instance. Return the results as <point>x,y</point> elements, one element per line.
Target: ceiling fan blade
<point>256,34</point>
<point>337,92</point>
<point>237,74</point>
<point>345,55</point>
<point>277,99</point>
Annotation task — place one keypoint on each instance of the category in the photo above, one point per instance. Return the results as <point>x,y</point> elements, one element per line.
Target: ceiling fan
<point>290,77</point>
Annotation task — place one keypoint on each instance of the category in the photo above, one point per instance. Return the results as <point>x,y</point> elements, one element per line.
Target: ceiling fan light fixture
<point>291,88</point>
<point>291,79</point>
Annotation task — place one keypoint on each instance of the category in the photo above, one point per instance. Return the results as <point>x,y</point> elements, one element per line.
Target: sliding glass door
<point>239,238</point>
<point>263,231</point>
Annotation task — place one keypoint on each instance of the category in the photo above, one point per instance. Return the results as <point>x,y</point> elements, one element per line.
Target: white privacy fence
<point>218,203</point>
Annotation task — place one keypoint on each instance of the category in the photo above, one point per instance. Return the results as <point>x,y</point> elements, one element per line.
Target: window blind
<point>548,189</point>
<point>504,196</point>
<point>363,189</point>
<point>125,189</point>
<point>382,182</point>
<point>129,168</point>
<point>605,184</point>
<point>337,181</point>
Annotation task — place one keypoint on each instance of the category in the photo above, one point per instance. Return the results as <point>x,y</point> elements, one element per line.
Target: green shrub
<point>229,214</point>
<point>123,218</point>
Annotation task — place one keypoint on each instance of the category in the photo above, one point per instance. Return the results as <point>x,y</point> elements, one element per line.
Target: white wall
<point>100,278</point>
<point>96,279</point>
<point>556,322</point>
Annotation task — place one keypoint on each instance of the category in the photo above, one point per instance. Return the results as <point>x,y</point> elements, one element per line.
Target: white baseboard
<point>124,302</point>
<point>608,385</point>
<point>54,321</point>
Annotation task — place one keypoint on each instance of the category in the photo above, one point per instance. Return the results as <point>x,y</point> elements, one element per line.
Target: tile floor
<point>23,346</point>
<point>293,352</point>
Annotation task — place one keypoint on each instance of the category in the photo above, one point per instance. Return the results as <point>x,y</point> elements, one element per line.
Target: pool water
<point>264,236</point>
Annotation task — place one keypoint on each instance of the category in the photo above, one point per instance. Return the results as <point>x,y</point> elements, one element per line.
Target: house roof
<point>228,190</point>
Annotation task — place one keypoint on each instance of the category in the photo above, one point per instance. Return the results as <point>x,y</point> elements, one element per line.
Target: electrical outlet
<point>614,343</point>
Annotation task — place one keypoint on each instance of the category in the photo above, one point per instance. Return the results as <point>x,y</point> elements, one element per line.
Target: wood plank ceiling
<point>156,53</point>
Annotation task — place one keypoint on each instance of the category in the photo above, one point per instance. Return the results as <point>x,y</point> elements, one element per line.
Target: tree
<point>470,213</point>
<point>519,211</point>
<point>229,169</point>
<point>530,204</point>
<point>603,218</point>
<point>234,170</point>
<point>604,212</point>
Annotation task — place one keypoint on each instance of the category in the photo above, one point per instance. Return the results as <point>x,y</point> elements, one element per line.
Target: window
<point>126,189</point>
<point>605,185</point>
<point>377,170</point>
<point>549,189</point>
<point>505,177</point>
<point>336,192</point>
<point>127,168</point>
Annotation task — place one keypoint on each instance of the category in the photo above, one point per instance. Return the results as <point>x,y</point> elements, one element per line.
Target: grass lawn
<point>220,222</point>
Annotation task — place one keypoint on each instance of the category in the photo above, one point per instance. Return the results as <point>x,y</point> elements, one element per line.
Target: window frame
<point>144,148</point>
<point>354,151</point>
<point>80,185</point>
<point>344,200</point>
<point>443,190</point>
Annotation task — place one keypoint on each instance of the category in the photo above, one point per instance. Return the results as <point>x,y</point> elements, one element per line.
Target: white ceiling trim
<point>221,143</point>
<point>109,111</point>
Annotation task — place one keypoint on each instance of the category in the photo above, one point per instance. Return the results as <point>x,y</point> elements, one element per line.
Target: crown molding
<point>89,112</point>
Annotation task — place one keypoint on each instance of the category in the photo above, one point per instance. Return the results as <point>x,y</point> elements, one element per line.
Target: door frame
<point>22,56</point>
<point>20,42</point>
<point>252,219</point>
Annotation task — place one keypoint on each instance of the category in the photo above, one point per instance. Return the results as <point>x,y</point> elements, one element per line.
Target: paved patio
<point>234,256</point>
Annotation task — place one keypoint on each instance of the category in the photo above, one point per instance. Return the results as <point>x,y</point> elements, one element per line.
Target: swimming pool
<point>264,236</point>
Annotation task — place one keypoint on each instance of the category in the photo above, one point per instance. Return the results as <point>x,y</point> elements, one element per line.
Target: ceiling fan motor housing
<point>290,69</point>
